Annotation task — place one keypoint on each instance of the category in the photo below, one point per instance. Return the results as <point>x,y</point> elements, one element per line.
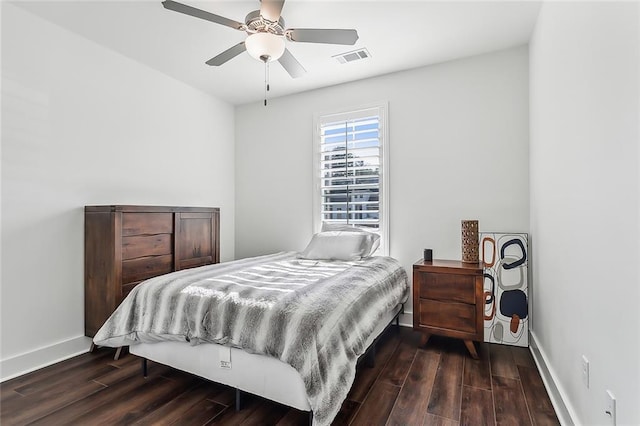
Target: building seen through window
<point>350,168</point>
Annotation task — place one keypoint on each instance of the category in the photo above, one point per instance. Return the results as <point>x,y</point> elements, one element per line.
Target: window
<point>350,170</point>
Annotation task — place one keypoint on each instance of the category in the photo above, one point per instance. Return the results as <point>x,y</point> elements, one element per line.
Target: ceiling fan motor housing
<point>256,23</point>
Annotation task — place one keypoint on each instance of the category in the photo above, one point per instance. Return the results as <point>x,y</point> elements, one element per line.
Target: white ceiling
<point>399,35</point>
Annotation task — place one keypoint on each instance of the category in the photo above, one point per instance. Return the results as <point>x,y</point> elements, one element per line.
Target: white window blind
<point>349,169</point>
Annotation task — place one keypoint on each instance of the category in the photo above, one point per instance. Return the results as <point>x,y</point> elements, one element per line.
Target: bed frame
<point>255,374</point>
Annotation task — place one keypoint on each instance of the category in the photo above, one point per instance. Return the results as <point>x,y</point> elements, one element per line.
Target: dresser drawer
<point>448,287</point>
<point>146,267</point>
<point>146,245</point>
<point>146,223</point>
<point>452,316</point>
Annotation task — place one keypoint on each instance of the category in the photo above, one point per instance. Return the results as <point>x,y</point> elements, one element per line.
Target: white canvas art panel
<point>506,295</point>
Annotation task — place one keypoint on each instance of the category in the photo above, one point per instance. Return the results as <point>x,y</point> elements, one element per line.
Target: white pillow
<point>340,245</point>
<point>328,226</point>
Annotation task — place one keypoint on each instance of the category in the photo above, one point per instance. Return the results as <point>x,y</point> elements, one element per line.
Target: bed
<point>288,326</point>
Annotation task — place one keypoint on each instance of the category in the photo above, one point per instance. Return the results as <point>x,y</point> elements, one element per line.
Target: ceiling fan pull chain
<point>266,81</point>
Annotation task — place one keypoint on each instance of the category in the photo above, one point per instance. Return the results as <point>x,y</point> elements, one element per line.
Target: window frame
<point>348,114</point>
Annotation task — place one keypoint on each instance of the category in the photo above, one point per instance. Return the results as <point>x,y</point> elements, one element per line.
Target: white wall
<point>584,203</point>
<point>458,147</point>
<point>83,125</point>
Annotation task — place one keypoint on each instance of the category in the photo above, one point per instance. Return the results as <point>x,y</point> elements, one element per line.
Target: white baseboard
<point>406,319</point>
<point>43,357</point>
<point>564,410</point>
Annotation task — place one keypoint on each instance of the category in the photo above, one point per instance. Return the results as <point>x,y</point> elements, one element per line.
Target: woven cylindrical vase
<point>470,244</point>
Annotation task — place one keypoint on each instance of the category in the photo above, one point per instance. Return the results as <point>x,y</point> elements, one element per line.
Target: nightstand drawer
<point>453,316</point>
<point>448,287</point>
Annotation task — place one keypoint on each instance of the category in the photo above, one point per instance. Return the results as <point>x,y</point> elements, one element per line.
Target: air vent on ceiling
<point>354,55</point>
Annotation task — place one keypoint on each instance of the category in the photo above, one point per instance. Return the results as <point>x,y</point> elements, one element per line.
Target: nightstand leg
<point>424,339</point>
<point>472,348</point>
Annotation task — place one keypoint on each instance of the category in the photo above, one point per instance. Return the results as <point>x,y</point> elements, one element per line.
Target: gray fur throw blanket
<point>313,315</point>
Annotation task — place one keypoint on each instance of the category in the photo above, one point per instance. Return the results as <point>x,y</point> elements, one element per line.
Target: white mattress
<point>257,374</point>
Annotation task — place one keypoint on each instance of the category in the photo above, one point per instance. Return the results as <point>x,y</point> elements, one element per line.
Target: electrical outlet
<point>610,410</point>
<point>585,371</point>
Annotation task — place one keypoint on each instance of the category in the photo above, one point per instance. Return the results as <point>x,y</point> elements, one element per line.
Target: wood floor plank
<point>376,407</point>
<point>297,418</point>
<point>224,395</point>
<point>522,356</point>
<point>119,384</point>
<point>366,376</point>
<point>538,401</point>
<point>447,386</point>
<point>445,344</point>
<point>198,414</point>
<point>49,377</point>
<point>9,398</point>
<point>6,391</point>
<point>127,408</point>
<point>433,420</point>
<point>411,406</point>
<point>177,408</point>
<point>510,405</point>
<point>231,417</point>
<point>477,407</point>
<point>477,372</point>
<point>267,413</point>
<point>54,370</point>
<point>118,374</point>
<point>39,404</point>
<point>396,370</point>
<point>79,376</point>
<point>502,362</point>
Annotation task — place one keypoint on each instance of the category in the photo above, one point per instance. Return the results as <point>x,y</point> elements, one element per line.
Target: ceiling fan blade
<point>310,35</point>
<point>227,55</point>
<point>207,16</point>
<point>291,64</point>
<point>271,9</point>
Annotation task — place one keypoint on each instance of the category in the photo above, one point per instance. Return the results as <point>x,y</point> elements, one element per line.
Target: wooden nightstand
<point>448,300</point>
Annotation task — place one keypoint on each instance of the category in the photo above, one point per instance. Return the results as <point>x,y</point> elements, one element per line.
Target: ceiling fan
<point>266,34</point>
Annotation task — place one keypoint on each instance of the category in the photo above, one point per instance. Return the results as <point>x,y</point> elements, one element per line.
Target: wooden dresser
<point>124,245</point>
<point>448,300</point>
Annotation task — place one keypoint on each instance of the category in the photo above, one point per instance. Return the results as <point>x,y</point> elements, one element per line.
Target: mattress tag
<point>225,357</point>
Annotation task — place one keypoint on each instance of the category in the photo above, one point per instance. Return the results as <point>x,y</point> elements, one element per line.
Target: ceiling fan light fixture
<point>265,47</point>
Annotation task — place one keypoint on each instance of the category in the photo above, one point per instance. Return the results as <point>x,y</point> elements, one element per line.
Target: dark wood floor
<point>436,385</point>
